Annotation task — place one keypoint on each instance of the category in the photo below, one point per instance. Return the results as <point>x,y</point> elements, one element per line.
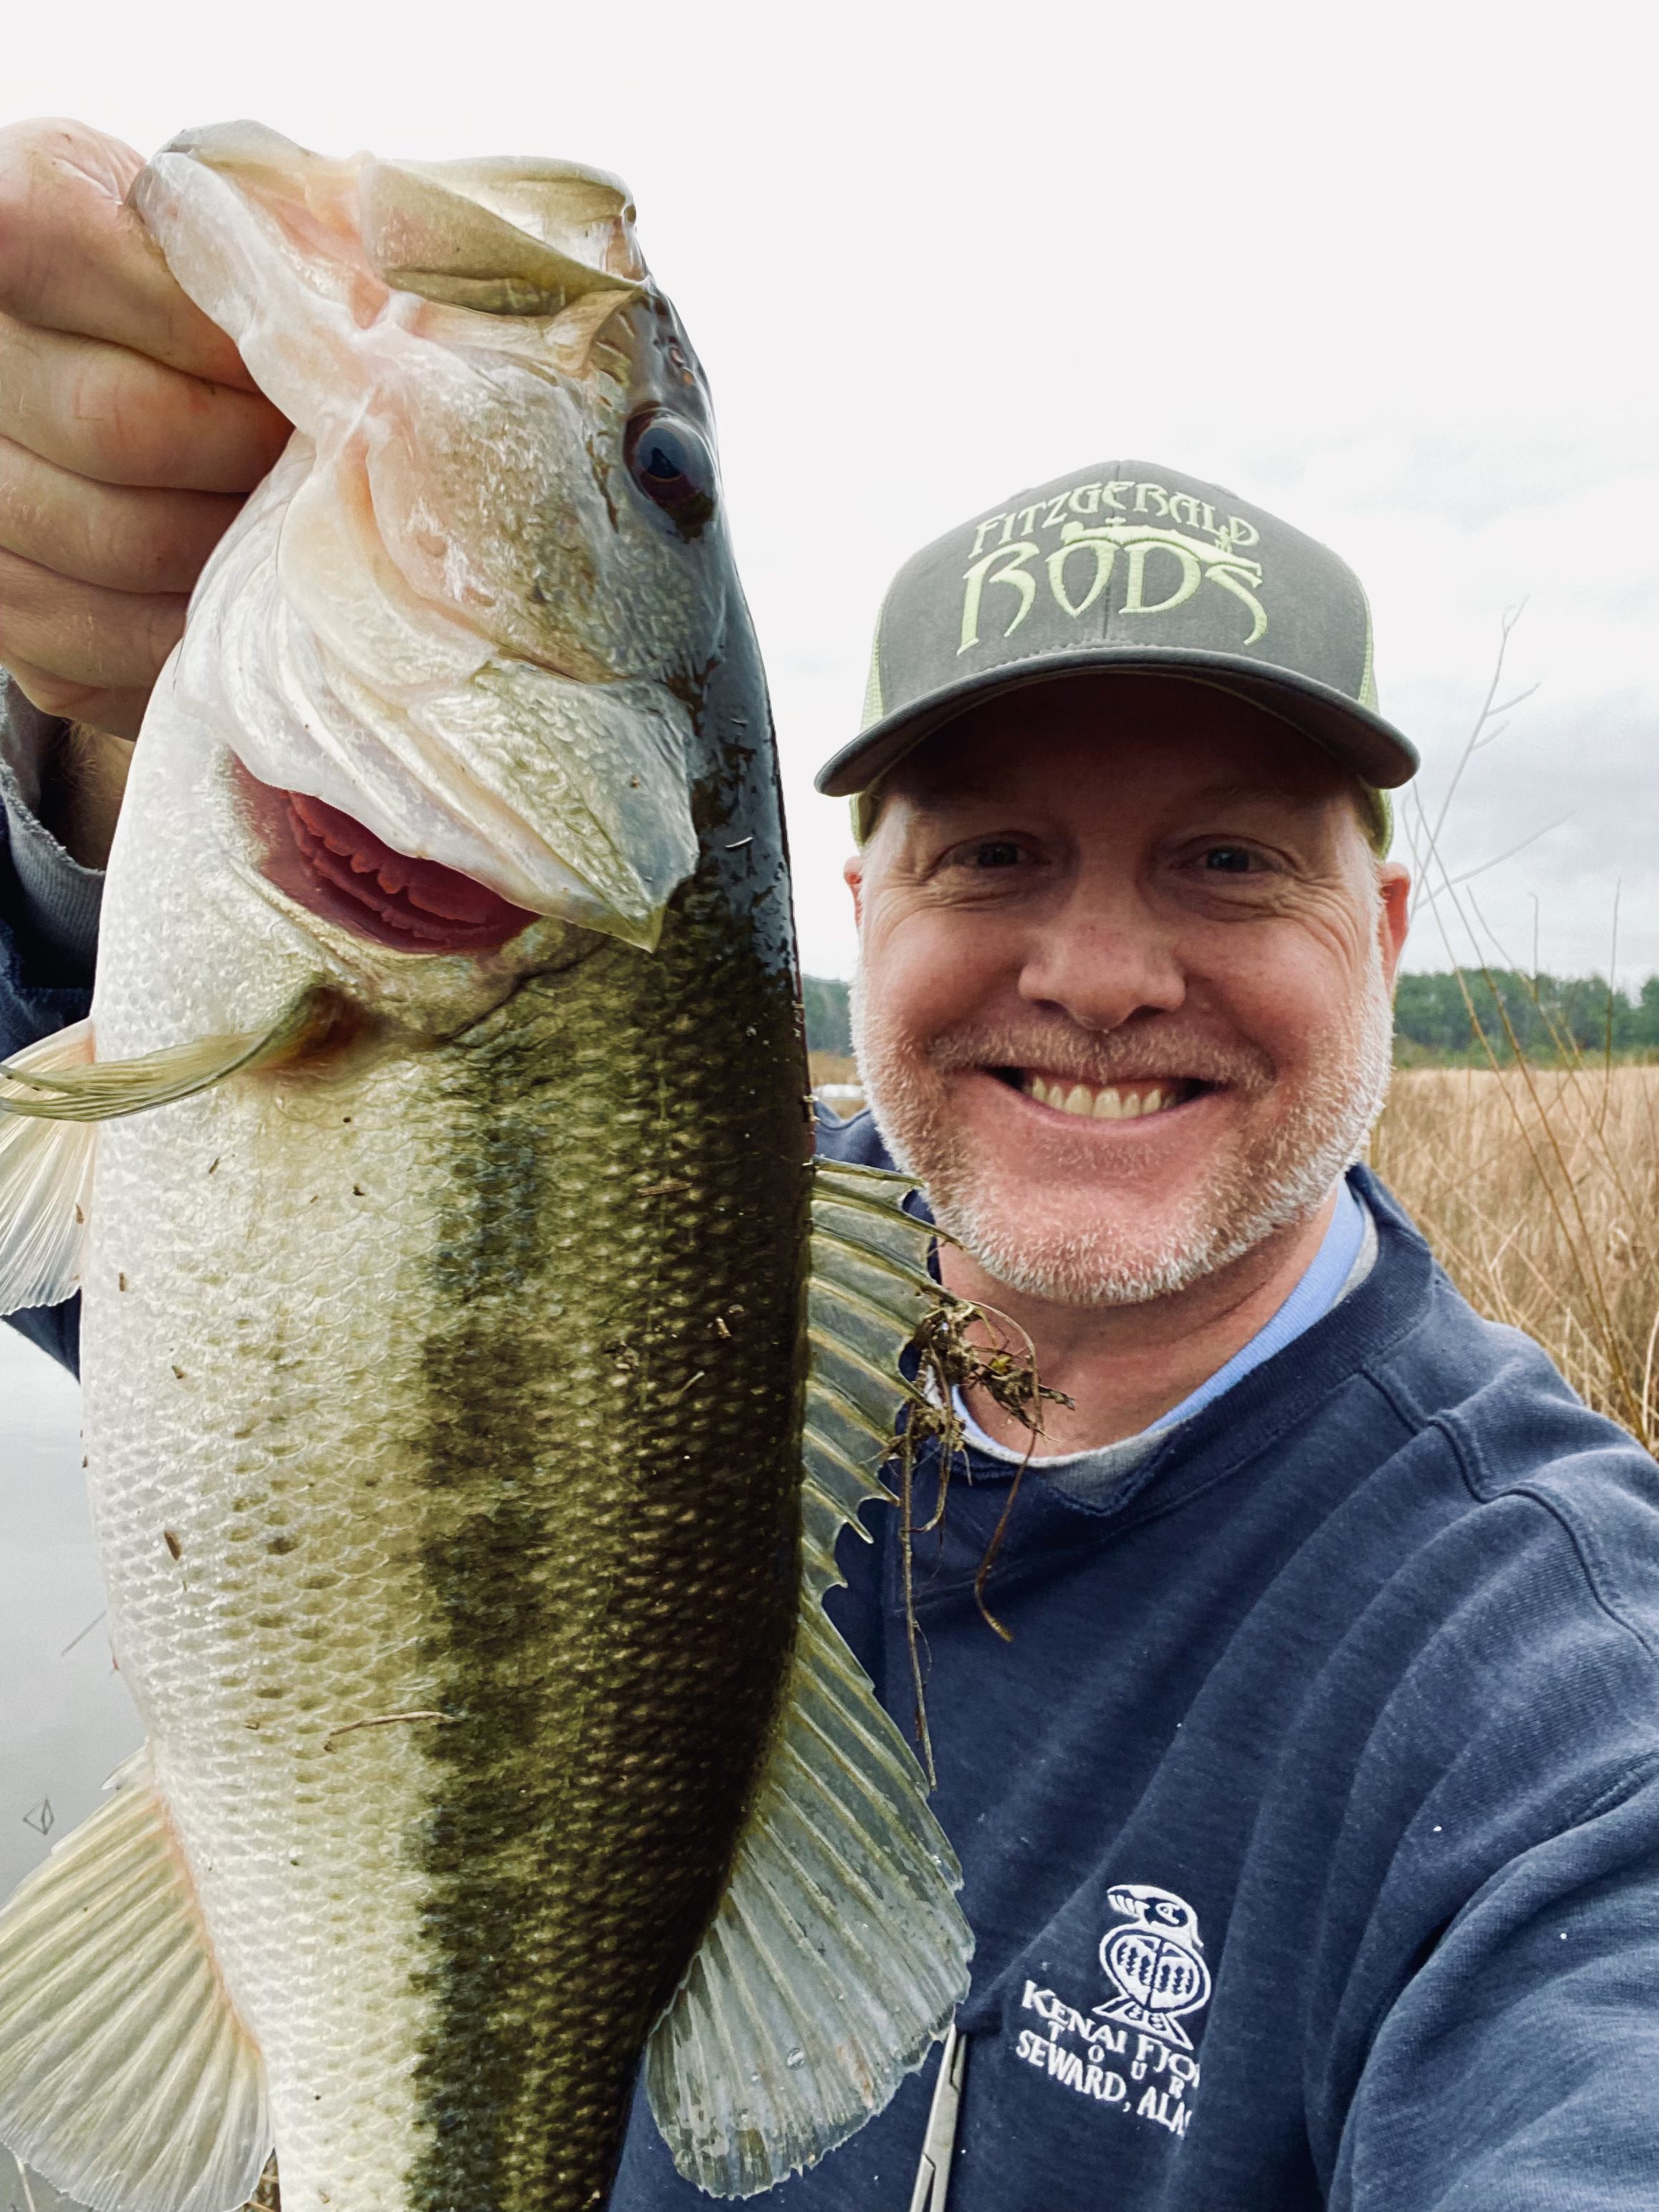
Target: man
<point>1309,1799</point>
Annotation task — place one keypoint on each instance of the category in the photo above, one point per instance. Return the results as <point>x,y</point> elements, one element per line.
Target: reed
<point>1539,1190</point>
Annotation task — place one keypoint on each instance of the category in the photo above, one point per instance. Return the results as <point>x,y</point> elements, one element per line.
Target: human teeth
<point>1109,1104</point>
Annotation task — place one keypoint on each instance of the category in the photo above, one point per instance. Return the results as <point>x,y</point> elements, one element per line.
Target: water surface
<point>65,1719</point>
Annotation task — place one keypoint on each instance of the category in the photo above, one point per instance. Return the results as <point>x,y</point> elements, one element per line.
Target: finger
<point>128,541</point>
<point>75,256</point>
<point>113,415</point>
<point>82,633</point>
<point>117,713</point>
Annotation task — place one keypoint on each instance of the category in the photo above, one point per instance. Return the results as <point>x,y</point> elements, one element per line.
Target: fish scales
<point>444,1333</point>
<point>612,1613</point>
<point>492,1458</point>
<point>507,1469</point>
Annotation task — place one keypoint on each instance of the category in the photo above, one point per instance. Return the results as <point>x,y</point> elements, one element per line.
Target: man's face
<point>1123,1001</point>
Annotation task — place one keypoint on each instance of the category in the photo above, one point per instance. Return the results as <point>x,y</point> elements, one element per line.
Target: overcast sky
<point>1388,270</point>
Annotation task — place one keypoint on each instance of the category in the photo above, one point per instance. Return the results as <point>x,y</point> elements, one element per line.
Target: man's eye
<point>1230,860</point>
<point>995,853</point>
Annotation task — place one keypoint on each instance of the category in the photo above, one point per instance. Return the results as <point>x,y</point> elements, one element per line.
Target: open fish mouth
<point>339,870</point>
<point>465,611</point>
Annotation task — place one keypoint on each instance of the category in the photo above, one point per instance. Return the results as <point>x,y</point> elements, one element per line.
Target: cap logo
<point>1184,561</point>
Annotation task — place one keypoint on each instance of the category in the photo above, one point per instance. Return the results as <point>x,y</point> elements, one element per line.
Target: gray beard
<point>1285,1180</point>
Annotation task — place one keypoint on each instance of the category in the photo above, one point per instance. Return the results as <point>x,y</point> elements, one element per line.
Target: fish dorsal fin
<point>838,1952</point>
<point>103,1089</point>
<point>125,2076</point>
<point>45,1185</point>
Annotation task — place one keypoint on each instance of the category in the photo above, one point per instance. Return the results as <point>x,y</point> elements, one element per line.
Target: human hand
<point>130,431</point>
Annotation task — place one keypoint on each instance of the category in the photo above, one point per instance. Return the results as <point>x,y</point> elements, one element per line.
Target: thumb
<point>74,257</point>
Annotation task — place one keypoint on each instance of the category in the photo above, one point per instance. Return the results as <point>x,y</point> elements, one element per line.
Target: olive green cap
<point>1127,566</point>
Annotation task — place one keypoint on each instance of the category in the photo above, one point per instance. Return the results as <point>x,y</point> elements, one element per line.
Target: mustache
<point>1139,1052</point>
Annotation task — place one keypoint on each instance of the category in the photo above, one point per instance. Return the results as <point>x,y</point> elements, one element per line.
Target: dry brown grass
<point>1539,1190</point>
<point>833,1067</point>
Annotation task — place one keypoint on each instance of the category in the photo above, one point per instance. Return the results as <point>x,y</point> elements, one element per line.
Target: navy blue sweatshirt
<point>1310,1819</point>
<point>1310,1822</point>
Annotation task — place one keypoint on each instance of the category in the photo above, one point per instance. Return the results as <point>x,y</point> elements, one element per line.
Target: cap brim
<point>1373,749</point>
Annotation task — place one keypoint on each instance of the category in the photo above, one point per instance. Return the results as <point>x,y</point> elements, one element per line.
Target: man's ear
<point>852,869</point>
<point>1394,892</point>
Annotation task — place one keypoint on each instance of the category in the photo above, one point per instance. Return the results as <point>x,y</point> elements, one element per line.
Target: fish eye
<point>671,462</point>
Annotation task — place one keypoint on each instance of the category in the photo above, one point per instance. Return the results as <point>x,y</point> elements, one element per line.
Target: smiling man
<point>1306,1785</point>
<point>1124,1009</point>
<point>1127,935</point>
<point>1309,1812</point>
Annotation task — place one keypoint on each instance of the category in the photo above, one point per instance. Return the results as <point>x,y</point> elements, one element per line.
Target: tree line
<point>1545,1019</point>
<point>1437,1017</point>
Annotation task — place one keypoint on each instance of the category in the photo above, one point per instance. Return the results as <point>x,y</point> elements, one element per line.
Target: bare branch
<point>1426,849</point>
<point>1498,859</point>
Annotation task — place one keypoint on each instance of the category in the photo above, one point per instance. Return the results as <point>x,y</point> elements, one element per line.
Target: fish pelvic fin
<point>45,1184</point>
<point>838,1953</point>
<point>101,1091</point>
<point>126,2077</point>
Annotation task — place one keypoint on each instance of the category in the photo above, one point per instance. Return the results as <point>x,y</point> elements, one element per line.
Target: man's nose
<point>1103,957</point>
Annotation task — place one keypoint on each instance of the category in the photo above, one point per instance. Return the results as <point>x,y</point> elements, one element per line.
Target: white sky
<point>1388,271</point>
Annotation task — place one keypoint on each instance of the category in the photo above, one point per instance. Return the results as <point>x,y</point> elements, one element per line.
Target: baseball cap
<point>1127,566</point>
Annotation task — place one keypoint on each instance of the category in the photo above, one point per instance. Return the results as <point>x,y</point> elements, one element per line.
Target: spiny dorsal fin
<point>126,2078</point>
<point>106,1088</point>
<point>45,1185</point>
<point>838,1953</point>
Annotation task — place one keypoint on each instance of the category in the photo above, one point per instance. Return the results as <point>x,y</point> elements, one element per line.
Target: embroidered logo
<point>1130,2052</point>
<point>1155,1962</point>
<point>1163,566</point>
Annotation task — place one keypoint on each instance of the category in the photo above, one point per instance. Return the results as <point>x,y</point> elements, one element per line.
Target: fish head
<point>457,642</point>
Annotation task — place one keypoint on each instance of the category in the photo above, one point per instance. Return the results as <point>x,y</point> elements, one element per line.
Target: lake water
<point>65,1720</point>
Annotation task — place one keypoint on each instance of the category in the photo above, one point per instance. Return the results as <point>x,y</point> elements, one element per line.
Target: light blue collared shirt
<point>1343,1259</point>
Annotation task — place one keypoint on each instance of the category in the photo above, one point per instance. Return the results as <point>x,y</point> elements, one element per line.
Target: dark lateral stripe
<point>612,1549</point>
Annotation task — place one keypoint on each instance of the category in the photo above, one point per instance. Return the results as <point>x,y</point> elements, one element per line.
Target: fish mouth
<point>340,871</point>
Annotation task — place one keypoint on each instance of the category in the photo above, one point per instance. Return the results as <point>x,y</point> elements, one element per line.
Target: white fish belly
<point>252,1329</point>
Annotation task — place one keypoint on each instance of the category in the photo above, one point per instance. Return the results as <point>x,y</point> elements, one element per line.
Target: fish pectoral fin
<point>126,2077</point>
<point>100,1091</point>
<point>45,1185</point>
<point>838,1953</point>
<point>837,1956</point>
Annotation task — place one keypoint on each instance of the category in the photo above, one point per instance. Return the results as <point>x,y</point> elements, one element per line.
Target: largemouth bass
<point>470,1414</point>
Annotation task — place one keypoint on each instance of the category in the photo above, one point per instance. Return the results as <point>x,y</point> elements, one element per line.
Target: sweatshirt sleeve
<point>1519,2065</point>
<point>48,938</point>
